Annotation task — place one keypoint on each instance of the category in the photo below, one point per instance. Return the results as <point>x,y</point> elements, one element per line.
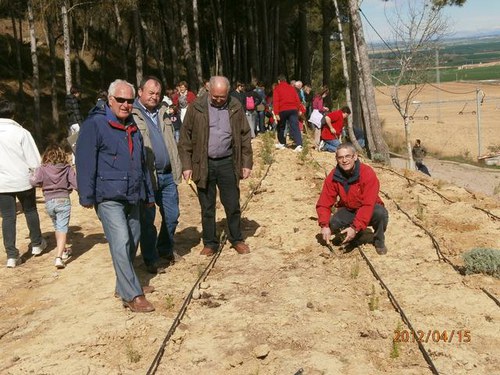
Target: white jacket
<point>18,157</point>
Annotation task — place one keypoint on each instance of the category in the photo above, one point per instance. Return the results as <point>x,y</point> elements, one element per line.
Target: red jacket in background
<point>361,197</point>
<point>285,98</point>
<point>337,118</point>
<point>191,97</point>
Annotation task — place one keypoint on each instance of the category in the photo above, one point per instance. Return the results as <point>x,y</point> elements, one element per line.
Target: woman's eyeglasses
<point>123,100</point>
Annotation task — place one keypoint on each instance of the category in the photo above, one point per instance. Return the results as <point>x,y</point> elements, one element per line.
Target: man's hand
<point>326,232</point>
<point>87,205</point>
<point>350,234</point>
<point>245,173</point>
<point>187,174</point>
<point>277,117</point>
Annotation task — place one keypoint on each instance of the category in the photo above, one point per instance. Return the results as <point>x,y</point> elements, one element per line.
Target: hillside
<point>290,304</point>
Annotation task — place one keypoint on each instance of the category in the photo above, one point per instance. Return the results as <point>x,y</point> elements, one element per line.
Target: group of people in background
<point>134,148</point>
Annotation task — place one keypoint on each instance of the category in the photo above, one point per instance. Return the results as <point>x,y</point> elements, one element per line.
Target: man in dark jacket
<point>215,150</point>
<point>72,103</point>
<point>353,188</point>
<point>113,178</point>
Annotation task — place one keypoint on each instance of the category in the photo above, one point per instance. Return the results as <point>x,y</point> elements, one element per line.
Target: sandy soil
<point>289,305</point>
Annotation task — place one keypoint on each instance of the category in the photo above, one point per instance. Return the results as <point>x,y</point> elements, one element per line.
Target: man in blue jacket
<point>113,178</point>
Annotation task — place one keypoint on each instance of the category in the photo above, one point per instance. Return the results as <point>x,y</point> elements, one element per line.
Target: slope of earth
<point>290,304</point>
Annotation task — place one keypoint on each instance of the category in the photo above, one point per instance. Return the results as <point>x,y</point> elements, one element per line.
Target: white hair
<point>115,83</point>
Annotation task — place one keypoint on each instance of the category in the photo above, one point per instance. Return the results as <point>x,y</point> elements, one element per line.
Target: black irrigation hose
<point>439,253</point>
<point>417,182</point>
<point>159,355</point>
<point>398,308</point>
<point>490,214</point>
<point>495,299</point>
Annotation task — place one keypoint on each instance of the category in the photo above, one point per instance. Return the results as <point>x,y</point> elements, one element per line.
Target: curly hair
<point>55,154</point>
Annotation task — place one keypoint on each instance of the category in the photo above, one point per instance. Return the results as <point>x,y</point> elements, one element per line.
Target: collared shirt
<point>162,159</point>
<point>220,137</point>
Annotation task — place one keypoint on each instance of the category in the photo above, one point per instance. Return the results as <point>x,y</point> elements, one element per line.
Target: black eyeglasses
<point>123,100</point>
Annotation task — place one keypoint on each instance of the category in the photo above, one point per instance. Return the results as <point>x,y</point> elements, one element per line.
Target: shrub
<point>481,260</point>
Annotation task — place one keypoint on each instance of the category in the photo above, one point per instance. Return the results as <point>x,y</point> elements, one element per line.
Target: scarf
<point>345,178</point>
<point>129,129</point>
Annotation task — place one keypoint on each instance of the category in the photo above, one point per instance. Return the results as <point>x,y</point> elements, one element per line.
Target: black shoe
<point>381,250</point>
<point>154,269</point>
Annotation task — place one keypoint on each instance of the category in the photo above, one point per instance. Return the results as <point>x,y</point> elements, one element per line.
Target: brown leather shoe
<point>241,248</point>
<point>146,289</point>
<point>208,251</point>
<point>139,304</point>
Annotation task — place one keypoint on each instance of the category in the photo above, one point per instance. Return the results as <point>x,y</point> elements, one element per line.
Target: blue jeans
<point>9,217</point>
<point>59,210</point>
<point>260,122</point>
<point>292,116</point>
<point>331,145</point>
<point>120,221</point>
<point>167,198</point>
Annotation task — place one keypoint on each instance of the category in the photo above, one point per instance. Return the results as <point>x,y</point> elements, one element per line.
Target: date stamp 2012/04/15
<point>447,336</point>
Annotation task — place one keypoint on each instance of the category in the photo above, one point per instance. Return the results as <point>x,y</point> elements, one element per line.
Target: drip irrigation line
<point>495,299</point>
<point>489,213</point>
<point>222,241</point>
<point>399,309</point>
<point>417,182</point>
<point>451,92</point>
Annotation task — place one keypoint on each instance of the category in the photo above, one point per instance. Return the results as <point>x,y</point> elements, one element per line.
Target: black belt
<point>221,158</point>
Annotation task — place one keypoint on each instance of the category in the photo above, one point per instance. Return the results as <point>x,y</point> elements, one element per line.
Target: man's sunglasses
<point>123,100</point>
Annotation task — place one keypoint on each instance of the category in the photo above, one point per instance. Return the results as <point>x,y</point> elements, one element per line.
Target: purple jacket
<point>57,181</point>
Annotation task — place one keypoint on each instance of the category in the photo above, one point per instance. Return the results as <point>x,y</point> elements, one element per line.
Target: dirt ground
<point>290,304</point>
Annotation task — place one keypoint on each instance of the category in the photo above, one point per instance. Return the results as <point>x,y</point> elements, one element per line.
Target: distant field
<point>452,57</point>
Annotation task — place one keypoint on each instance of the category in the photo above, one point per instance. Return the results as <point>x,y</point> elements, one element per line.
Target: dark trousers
<point>422,167</point>
<point>343,218</point>
<point>292,116</point>
<point>8,211</point>
<point>220,175</point>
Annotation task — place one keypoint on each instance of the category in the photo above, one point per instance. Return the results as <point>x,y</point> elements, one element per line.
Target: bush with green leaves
<point>481,260</point>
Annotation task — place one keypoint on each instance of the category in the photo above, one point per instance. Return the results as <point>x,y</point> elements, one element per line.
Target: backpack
<point>250,103</point>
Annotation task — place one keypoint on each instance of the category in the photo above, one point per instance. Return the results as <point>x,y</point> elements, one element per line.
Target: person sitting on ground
<point>353,188</point>
<point>57,179</point>
<point>331,130</point>
<point>418,152</point>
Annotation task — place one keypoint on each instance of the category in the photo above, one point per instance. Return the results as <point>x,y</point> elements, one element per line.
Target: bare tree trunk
<point>53,72</point>
<point>304,61</point>
<point>188,53</point>
<point>139,69</point>
<point>219,63</point>
<point>20,89</point>
<point>78,77</point>
<point>197,52</point>
<point>276,44</point>
<point>120,37</point>
<point>250,37</point>
<point>380,146</point>
<point>36,75</point>
<point>326,32</point>
<point>169,13</point>
<point>67,49</point>
<point>345,67</point>
<point>360,87</point>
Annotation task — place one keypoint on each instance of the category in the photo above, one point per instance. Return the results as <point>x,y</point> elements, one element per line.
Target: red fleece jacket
<point>285,98</point>
<point>361,197</point>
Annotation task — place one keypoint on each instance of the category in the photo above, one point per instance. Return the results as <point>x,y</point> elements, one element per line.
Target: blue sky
<point>474,16</point>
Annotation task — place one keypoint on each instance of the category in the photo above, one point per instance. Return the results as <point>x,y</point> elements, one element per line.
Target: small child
<point>57,179</point>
